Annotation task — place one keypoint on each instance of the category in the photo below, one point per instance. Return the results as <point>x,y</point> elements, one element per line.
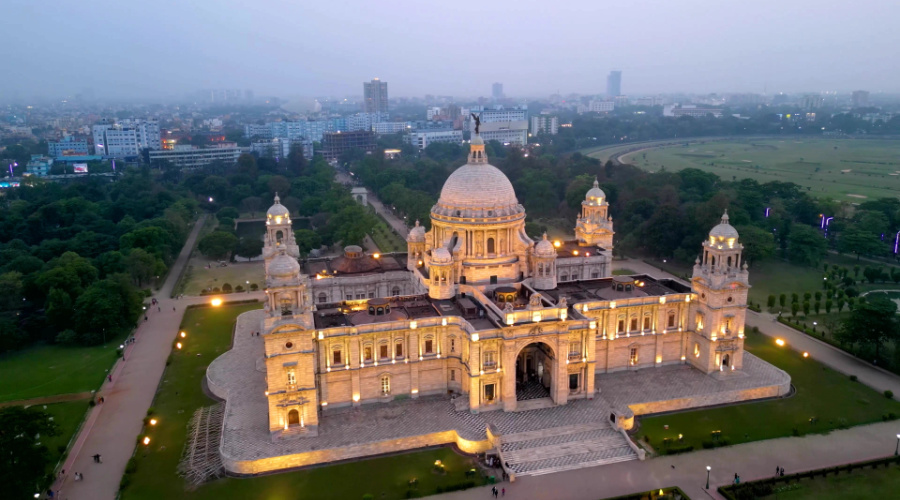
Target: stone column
<point>508,380</point>
<point>559,390</point>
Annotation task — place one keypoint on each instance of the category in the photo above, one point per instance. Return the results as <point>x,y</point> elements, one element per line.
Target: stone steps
<point>564,448</point>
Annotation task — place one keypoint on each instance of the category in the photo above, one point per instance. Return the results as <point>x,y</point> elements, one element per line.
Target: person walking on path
<point>109,377</point>
<point>503,491</point>
<point>97,459</point>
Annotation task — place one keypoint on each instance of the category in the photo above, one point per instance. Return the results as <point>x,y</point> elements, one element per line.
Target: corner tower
<point>595,226</point>
<point>279,233</point>
<point>720,281</point>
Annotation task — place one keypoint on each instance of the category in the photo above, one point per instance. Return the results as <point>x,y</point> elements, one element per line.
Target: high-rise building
<point>497,90</point>
<point>336,143</point>
<point>375,95</point>
<point>614,84</point>
<point>508,126</point>
<point>544,124</point>
<point>860,98</point>
<point>127,138</point>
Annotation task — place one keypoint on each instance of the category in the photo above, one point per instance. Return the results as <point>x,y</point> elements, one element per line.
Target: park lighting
<point>897,449</point>
<point>805,354</point>
<point>146,440</point>
<point>153,421</point>
<point>121,346</point>
<point>210,199</point>
<point>377,255</point>
<point>183,334</point>
<point>779,342</point>
<point>216,302</point>
<point>178,345</point>
<point>708,468</point>
<point>557,244</point>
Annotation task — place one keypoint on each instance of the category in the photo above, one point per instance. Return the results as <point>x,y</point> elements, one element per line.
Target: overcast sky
<point>125,48</point>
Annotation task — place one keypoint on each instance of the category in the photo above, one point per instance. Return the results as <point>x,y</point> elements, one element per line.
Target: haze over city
<point>166,49</point>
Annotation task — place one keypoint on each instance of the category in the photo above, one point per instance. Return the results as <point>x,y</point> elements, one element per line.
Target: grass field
<point>858,484</point>
<point>822,393</point>
<point>844,169</point>
<point>180,394</point>
<point>68,416</point>
<point>198,277</point>
<point>47,370</point>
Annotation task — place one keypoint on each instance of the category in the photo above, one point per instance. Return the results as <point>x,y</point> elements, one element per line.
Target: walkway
<point>397,224</point>
<point>112,428</point>
<point>751,461</point>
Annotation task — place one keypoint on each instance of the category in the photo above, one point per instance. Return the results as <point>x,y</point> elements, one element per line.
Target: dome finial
<point>725,217</point>
<point>277,199</point>
<point>596,182</point>
<point>417,222</point>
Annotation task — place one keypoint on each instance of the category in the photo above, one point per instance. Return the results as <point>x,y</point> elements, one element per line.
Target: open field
<point>180,394</point>
<point>831,398</point>
<point>861,483</point>
<point>844,169</point>
<point>197,277</point>
<point>47,370</point>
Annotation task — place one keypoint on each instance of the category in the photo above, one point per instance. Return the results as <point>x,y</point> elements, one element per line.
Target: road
<point>112,429</point>
<point>396,223</point>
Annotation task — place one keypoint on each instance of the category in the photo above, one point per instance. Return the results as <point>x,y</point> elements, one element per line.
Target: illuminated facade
<point>479,309</point>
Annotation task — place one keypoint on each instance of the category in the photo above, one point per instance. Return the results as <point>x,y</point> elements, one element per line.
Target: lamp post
<point>897,449</point>
<point>708,468</point>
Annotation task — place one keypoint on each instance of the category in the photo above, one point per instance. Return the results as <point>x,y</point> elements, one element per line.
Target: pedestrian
<point>77,476</point>
<point>173,308</point>
<point>504,492</point>
<point>97,459</point>
<point>159,309</point>
<point>782,472</point>
<point>777,470</point>
<point>109,377</point>
<point>145,317</point>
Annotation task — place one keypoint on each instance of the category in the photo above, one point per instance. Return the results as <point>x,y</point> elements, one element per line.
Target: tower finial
<point>596,182</point>
<point>545,235</point>
<point>277,199</point>
<point>725,217</point>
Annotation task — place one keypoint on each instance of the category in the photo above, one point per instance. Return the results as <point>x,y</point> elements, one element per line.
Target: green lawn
<point>858,484</point>
<point>68,416</point>
<point>47,370</point>
<point>386,239</point>
<point>844,169</point>
<point>823,393</point>
<point>199,278</point>
<point>209,334</point>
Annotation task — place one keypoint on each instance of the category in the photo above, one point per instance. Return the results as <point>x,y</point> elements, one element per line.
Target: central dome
<point>477,189</point>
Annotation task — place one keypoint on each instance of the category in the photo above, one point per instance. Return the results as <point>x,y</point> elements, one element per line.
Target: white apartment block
<point>193,157</point>
<point>422,138</point>
<point>127,138</point>
<point>508,126</point>
<point>391,127</point>
<point>544,124</point>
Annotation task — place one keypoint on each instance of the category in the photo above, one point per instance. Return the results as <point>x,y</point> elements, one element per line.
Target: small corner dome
<point>595,193</point>
<point>416,234</point>
<point>440,256</point>
<point>284,266</point>
<point>277,210</point>
<point>544,248</point>
<point>724,229</point>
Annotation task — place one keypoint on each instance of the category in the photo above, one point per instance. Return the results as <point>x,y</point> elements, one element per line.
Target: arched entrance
<point>725,360</point>
<point>535,364</point>
<point>293,418</point>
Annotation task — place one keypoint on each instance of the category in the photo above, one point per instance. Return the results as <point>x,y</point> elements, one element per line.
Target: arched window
<point>490,245</point>
<point>323,298</point>
<point>385,385</point>
<point>279,236</point>
<point>564,277</point>
<point>725,360</point>
<point>395,291</point>
<point>671,321</point>
<point>293,417</point>
<point>729,261</point>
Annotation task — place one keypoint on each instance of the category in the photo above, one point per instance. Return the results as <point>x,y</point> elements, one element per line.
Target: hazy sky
<point>127,48</point>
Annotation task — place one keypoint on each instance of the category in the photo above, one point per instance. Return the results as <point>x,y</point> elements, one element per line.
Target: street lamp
<point>708,468</point>
<point>897,449</point>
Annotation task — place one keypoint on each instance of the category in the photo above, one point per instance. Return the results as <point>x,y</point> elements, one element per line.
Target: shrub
<point>239,288</point>
<point>216,290</point>
<point>254,287</point>
<point>889,394</point>
<point>679,449</point>
<point>853,378</point>
<point>151,411</point>
<point>227,288</point>
<point>131,467</point>
<point>67,337</point>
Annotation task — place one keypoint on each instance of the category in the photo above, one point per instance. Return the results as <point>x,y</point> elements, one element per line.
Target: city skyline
<point>172,56</point>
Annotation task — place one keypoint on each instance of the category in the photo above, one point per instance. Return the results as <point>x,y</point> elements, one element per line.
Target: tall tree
<point>872,323</point>
<point>23,459</point>
<point>217,245</point>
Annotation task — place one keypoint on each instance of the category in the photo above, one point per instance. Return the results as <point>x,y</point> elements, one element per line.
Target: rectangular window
<point>367,356</point>
<point>336,355</point>
<point>349,296</point>
<point>671,323</point>
<point>385,385</point>
<point>452,375</point>
<point>634,325</point>
<point>291,378</point>
<point>452,345</point>
<point>574,349</point>
<point>398,350</point>
<point>429,346</point>
<point>489,392</point>
<point>633,359</point>
<point>573,382</point>
<point>621,327</point>
<point>371,295</point>
<point>647,323</point>
<point>383,351</point>
<point>490,359</point>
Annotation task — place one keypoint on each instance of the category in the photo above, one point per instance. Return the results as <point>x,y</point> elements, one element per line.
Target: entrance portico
<point>537,373</point>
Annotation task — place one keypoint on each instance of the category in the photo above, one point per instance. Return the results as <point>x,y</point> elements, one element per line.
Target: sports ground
<point>843,169</point>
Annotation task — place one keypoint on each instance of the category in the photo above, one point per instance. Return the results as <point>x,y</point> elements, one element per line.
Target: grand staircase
<point>564,448</point>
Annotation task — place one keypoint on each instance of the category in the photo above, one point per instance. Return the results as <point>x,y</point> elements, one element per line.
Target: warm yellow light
<point>216,302</point>
<point>183,334</point>
<point>152,421</point>
<point>356,398</point>
<point>178,345</point>
<point>805,354</point>
<point>278,219</point>
<point>557,244</point>
<point>659,359</point>
<point>474,337</point>
<point>415,391</point>
<point>146,440</point>
<point>377,255</point>
<point>324,403</point>
<point>321,335</point>
<point>574,252</point>
<point>779,342</point>
<point>593,325</point>
<point>662,300</point>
